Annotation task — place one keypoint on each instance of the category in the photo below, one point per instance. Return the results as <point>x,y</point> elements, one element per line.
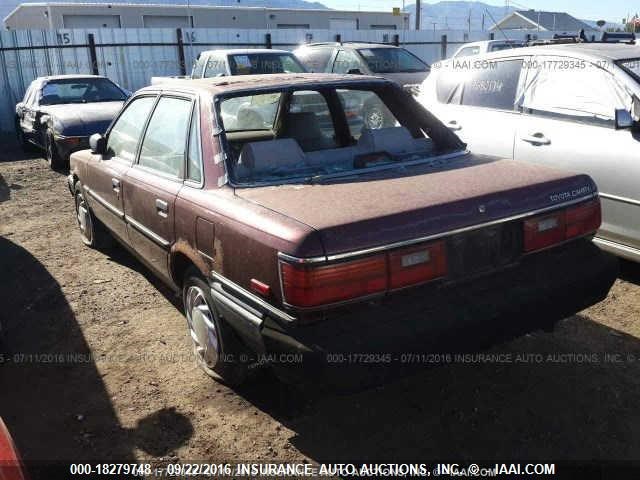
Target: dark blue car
<point>58,114</point>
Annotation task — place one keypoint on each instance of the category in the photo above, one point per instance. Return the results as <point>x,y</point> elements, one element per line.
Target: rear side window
<point>493,85</point>
<point>314,59</point>
<point>125,134</point>
<point>468,51</point>
<point>163,147</point>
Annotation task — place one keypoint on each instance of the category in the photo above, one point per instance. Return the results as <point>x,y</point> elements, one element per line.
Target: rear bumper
<point>67,145</point>
<point>541,290</point>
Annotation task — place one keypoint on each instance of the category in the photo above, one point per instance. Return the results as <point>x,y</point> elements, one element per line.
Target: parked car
<point>231,62</point>
<point>572,106</point>
<point>11,467</point>
<point>486,46</point>
<point>294,238</point>
<point>382,60</point>
<point>59,113</point>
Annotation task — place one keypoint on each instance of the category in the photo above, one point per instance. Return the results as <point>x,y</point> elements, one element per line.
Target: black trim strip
<point>151,235</point>
<point>118,213</point>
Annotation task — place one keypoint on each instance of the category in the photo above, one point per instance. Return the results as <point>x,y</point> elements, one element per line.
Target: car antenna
<point>510,43</point>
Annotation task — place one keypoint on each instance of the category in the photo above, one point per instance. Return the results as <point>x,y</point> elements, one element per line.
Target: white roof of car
<point>587,51</point>
<point>244,51</point>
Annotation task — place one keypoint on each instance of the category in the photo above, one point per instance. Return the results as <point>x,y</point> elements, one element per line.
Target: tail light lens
<point>312,286</point>
<point>417,265</point>
<point>306,286</point>
<point>548,230</point>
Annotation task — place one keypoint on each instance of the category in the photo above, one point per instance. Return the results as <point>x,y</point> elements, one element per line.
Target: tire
<point>92,232</point>
<point>216,347</point>
<point>56,162</point>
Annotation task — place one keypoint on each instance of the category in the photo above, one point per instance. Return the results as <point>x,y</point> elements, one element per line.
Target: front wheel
<point>218,351</point>
<point>56,162</point>
<point>92,232</point>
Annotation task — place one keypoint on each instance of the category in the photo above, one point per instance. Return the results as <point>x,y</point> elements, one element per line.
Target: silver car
<point>573,106</point>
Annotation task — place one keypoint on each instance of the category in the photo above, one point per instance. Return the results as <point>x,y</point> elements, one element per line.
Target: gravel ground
<point>127,388</point>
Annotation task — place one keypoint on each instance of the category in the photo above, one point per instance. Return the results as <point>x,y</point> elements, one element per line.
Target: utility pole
<point>418,8</point>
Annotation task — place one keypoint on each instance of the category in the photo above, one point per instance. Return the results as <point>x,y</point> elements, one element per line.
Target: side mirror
<point>354,71</point>
<point>98,144</point>
<point>623,119</point>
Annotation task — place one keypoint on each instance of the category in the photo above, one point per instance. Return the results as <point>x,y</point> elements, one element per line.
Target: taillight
<point>308,286</point>
<point>311,286</point>
<point>554,228</point>
<point>417,265</point>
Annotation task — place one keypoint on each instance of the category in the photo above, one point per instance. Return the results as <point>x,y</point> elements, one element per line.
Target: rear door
<point>477,100</point>
<point>103,180</point>
<point>569,123</point>
<point>152,184</point>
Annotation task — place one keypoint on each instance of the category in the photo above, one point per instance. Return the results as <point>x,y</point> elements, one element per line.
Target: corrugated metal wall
<point>131,57</point>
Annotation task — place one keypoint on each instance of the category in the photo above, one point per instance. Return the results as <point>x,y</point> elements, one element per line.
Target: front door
<point>152,184</point>
<point>103,182</point>
<point>569,123</point>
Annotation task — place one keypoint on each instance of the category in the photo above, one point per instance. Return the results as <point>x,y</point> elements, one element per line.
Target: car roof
<point>348,45</point>
<point>587,51</point>
<point>67,77</point>
<point>219,85</point>
<point>244,51</point>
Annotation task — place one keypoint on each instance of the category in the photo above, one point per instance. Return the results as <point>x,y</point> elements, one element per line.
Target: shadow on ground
<point>53,398</point>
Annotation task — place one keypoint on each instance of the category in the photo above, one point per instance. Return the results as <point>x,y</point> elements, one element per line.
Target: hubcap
<point>83,217</point>
<point>202,327</point>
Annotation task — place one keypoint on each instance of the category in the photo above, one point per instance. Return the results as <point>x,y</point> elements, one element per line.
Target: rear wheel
<point>217,349</point>
<point>92,232</point>
<point>56,162</point>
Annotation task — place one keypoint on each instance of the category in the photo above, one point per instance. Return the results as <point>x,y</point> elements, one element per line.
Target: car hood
<point>409,78</point>
<point>369,211</point>
<point>82,119</point>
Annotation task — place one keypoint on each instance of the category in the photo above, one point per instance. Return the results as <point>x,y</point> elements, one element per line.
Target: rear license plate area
<point>484,250</point>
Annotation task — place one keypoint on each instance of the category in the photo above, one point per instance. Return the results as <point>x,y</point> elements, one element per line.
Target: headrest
<point>394,140</point>
<point>265,156</point>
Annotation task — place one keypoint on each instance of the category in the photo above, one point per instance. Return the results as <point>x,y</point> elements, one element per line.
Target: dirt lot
<point>131,391</point>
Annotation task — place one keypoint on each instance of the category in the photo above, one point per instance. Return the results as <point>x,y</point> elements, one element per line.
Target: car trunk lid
<point>377,210</point>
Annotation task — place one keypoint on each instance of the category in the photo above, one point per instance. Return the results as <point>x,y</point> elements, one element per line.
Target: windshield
<point>392,60</point>
<point>632,66</point>
<point>264,63</point>
<point>84,90</point>
<point>308,134</point>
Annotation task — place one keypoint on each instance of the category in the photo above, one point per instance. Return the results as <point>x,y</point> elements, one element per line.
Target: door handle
<point>453,125</point>
<point>536,139</point>
<point>162,208</point>
<point>115,184</point>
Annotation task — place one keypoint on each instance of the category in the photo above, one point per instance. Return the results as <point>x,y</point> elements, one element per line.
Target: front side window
<point>163,147</point>
<point>263,63</point>
<point>582,94</point>
<point>84,90</point>
<point>392,60</point>
<point>492,85</point>
<point>123,138</point>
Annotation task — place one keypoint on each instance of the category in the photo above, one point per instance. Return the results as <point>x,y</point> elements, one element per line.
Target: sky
<point>611,10</point>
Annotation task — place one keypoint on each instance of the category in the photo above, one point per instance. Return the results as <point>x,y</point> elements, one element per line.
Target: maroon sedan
<point>291,227</point>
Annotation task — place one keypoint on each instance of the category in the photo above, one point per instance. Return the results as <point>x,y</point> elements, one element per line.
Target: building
<point>533,20</point>
<point>119,15</point>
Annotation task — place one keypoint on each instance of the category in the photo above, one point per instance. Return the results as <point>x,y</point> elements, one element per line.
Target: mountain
<point>6,6</point>
<point>455,15</point>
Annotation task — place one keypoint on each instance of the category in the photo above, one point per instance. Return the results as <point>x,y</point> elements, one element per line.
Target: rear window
<point>392,60</point>
<point>264,63</point>
<point>493,85</point>
<point>312,133</point>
